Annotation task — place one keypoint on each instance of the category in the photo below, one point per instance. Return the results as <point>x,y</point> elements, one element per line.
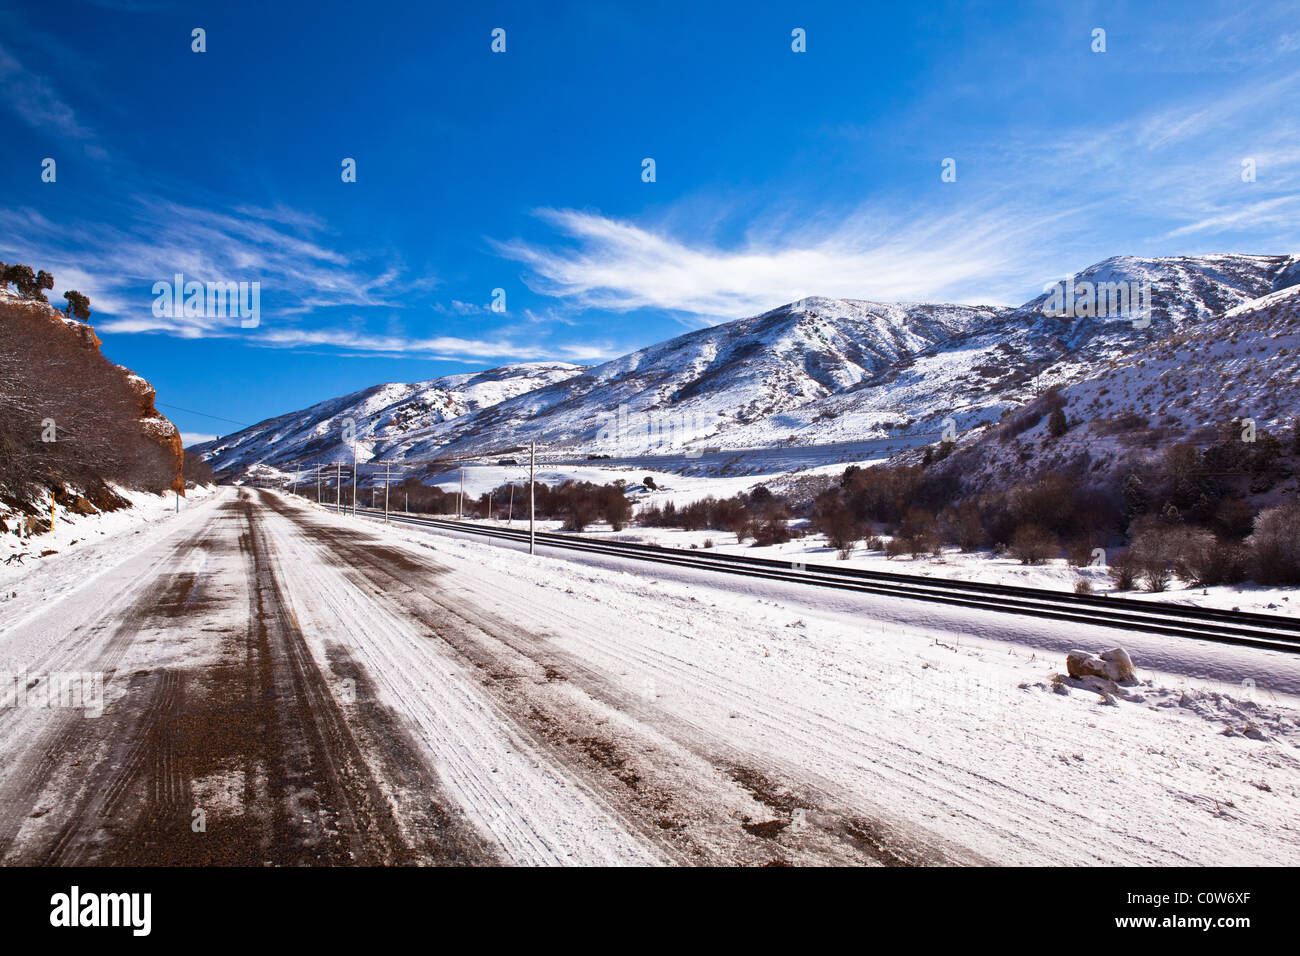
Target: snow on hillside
<point>702,384</point>
<point>813,372</point>
<point>1244,364</point>
<point>384,418</point>
<point>974,378</point>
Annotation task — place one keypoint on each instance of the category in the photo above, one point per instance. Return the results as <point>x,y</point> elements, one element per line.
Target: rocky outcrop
<point>72,418</point>
<point>155,424</point>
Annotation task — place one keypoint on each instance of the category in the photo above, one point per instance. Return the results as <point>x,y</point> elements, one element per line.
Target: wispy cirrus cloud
<point>441,346</point>
<point>34,100</point>
<point>1172,169</point>
<point>312,294</point>
<point>972,256</point>
<point>283,251</point>
<point>1281,211</point>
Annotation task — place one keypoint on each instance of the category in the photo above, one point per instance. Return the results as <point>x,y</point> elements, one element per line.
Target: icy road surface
<point>283,685</point>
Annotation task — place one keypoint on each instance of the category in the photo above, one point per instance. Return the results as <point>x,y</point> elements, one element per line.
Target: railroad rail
<point>1250,629</point>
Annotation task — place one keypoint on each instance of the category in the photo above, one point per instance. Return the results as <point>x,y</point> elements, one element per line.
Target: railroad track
<point>1249,629</point>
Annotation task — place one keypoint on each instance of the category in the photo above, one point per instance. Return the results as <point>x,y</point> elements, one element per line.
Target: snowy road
<point>284,685</point>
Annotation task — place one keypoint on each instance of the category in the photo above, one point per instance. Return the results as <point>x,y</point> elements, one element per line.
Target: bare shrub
<point>1124,570</point>
<point>1033,544</point>
<point>962,525</point>
<point>1157,548</point>
<point>836,520</point>
<point>1207,561</point>
<point>1275,545</point>
<point>1156,574</point>
<point>919,532</point>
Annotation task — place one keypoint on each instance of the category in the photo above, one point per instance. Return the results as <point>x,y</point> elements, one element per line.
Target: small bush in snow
<point>1275,545</point>
<point>1056,423</point>
<point>1124,570</point>
<point>1156,575</point>
<point>1033,544</point>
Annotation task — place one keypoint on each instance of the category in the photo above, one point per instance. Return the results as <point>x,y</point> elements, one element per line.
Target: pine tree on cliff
<point>24,280</point>
<point>78,305</point>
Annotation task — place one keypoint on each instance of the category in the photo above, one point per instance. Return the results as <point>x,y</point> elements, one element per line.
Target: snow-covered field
<point>599,711</point>
<point>949,717</point>
<point>811,547</point>
<point>677,488</point>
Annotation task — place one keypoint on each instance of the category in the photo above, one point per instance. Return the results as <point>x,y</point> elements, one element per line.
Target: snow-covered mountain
<point>384,418</point>
<point>815,371</point>
<point>975,377</point>
<point>702,385</point>
<point>1243,364</point>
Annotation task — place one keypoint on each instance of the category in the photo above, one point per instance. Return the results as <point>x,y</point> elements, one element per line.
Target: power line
<point>190,411</point>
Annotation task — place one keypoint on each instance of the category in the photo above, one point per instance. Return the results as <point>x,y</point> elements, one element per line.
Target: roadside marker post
<point>532,499</point>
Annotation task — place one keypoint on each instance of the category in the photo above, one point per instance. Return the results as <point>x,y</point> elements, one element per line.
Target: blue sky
<point>778,174</point>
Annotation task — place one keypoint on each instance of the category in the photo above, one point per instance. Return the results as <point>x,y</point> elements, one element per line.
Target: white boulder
<point>1112,665</point>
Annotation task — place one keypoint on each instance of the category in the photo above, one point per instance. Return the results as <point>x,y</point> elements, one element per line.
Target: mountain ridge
<point>816,370</point>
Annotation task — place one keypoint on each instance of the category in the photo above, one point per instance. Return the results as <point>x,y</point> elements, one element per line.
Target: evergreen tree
<point>78,305</point>
<point>1056,423</point>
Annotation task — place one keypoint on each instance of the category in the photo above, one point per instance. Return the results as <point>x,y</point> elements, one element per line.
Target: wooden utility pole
<point>354,476</point>
<point>532,499</point>
<point>317,482</point>
<point>338,487</point>
<point>388,473</point>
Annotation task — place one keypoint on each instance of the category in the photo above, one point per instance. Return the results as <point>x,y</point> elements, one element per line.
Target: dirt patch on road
<point>248,759</point>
